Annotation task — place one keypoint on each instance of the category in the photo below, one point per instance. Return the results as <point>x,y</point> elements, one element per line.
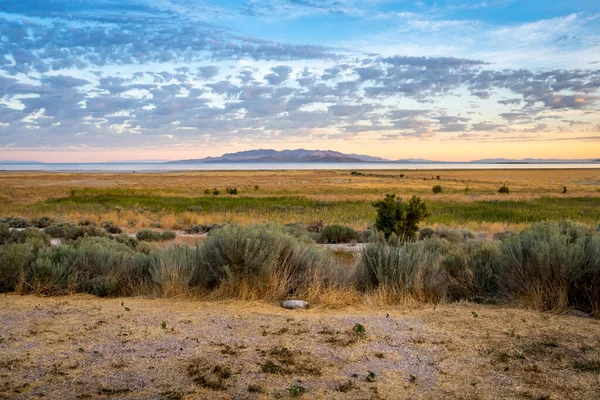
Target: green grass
<point>350,212</point>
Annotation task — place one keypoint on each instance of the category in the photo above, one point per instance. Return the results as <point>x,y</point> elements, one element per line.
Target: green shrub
<point>174,268</point>
<point>111,228</point>
<point>426,233</point>
<point>553,266</point>
<point>504,189</point>
<point>69,231</point>
<point>398,217</point>
<point>21,236</point>
<point>149,235</point>
<point>18,222</point>
<point>200,228</point>
<point>4,232</point>
<point>14,262</point>
<point>105,288</point>
<point>315,227</point>
<point>337,234</point>
<point>206,191</point>
<point>231,190</point>
<point>436,189</point>
<point>414,269</point>
<point>216,192</point>
<point>234,254</point>
<point>168,235</point>
<point>41,222</point>
<point>127,240</point>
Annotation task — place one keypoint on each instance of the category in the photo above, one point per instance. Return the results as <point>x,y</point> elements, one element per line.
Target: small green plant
<point>231,190</point>
<point>216,192</point>
<point>297,390</point>
<point>504,189</point>
<point>163,324</point>
<point>127,308</point>
<point>359,329</point>
<point>436,189</point>
<point>371,376</point>
<point>475,315</point>
<point>206,191</point>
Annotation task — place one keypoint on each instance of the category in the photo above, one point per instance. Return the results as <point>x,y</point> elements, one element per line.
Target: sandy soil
<point>137,348</point>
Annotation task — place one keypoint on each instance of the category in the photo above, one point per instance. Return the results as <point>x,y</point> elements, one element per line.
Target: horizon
<point>447,80</point>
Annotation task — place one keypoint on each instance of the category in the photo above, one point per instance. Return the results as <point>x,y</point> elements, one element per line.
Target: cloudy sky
<point>102,80</point>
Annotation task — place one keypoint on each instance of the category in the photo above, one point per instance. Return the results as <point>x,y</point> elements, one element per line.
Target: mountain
<point>283,156</point>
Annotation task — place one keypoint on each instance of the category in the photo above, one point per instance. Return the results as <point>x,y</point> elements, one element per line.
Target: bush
<point>398,217</point>
<point>553,266</point>
<point>18,222</point>
<point>27,234</point>
<point>412,269</point>
<point>155,236</point>
<point>127,240</point>
<point>4,232</point>
<point>68,231</point>
<point>14,261</point>
<point>111,228</point>
<point>260,259</point>
<point>231,190</point>
<point>437,189</point>
<point>200,228</point>
<point>504,189</point>
<point>426,233</point>
<point>206,191</point>
<point>216,192</point>
<point>337,234</point>
<point>315,227</point>
<point>173,269</point>
<point>42,222</point>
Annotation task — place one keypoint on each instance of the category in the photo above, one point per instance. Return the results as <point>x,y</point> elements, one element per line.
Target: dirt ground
<point>139,348</point>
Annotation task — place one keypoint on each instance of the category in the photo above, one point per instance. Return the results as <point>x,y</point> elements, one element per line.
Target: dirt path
<point>136,348</point>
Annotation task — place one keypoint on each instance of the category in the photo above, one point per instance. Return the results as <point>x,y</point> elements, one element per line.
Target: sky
<point>455,80</point>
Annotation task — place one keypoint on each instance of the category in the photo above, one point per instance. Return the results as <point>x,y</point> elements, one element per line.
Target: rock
<point>578,313</point>
<point>293,304</point>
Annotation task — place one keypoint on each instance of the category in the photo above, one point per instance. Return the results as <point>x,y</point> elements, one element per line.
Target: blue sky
<point>454,80</point>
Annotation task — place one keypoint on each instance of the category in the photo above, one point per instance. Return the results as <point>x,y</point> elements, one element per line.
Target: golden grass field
<point>350,196</point>
<point>138,348</point>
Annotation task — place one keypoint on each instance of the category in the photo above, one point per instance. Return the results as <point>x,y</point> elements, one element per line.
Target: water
<point>160,167</point>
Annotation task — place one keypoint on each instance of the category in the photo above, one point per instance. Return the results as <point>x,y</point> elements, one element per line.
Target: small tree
<point>401,218</point>
<point>437,189</point>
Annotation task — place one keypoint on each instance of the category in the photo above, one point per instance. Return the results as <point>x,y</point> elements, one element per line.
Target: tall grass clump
<point>553,266</point>
<point>261,261</point>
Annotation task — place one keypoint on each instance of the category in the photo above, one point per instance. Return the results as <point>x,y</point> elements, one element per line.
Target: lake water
<point>161,167</point>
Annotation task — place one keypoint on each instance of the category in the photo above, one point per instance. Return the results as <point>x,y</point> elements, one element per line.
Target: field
<point>496,296</point>
<point>85,347</point>
<point>469,199</point>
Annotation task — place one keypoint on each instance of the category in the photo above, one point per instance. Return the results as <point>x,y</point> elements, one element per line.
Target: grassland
<point>172,200</point>
<point>130,348</point>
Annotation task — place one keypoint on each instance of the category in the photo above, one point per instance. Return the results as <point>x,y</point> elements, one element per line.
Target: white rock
<point>293,304</point>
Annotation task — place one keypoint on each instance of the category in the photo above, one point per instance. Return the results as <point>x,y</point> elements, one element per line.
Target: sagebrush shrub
<point>337,234</point>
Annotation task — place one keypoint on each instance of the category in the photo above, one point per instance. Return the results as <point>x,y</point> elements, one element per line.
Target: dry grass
<point>85,347</point>
<point>20,190</point>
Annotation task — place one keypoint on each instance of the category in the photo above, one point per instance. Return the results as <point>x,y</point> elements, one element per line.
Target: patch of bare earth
<point>138,348</point>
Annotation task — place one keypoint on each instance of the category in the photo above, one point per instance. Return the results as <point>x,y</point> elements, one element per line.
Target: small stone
<point>293,304</point>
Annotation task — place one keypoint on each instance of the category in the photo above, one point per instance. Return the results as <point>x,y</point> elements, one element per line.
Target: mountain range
<point>308,156</point>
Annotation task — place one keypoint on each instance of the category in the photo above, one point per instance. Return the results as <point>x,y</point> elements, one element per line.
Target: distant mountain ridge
<point>308,156</point>
<point>282,156</point>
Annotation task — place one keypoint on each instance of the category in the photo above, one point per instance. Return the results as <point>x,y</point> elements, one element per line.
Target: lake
<point>162,167</point>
